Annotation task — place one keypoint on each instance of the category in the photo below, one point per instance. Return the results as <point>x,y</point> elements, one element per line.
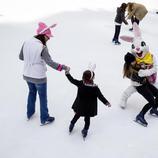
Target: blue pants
<point>42,92</point>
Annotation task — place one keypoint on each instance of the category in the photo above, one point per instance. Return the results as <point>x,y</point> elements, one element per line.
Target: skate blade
<point>137,121</point>
<point>84,138</point>
<point>70,132</point>
<point>30,118</point>
<point>123,107</point>
<point>117,44</point>
<point>47,123</point>
<point>154,115</point>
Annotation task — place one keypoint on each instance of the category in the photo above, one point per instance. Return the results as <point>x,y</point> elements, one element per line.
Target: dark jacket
<point>134,74</point>
<point>85,103</point>
<point>120,16</point>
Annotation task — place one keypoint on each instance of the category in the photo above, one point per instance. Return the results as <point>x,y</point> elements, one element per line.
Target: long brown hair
<point>123,6</point>
<point>42,38</point>
<point>127,71</point>
<point>88,77</point>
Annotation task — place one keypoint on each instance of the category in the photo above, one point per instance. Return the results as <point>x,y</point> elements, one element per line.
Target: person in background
<point>120,17</point>
<point>85,104</point>
<point>136,12</point>
<point>35,55</point>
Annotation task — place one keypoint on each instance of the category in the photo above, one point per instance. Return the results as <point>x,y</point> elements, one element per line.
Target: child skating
<point>85,104</point>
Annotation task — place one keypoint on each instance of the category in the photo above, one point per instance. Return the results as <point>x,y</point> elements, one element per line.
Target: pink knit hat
<point>43,29</point>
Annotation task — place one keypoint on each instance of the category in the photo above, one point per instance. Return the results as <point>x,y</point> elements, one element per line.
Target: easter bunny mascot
<point>144,58</point>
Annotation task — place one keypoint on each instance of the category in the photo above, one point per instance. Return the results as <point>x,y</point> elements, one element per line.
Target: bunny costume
<point>143,58</point>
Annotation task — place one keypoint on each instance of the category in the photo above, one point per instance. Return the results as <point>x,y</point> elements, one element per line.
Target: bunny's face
<point>140,49</point>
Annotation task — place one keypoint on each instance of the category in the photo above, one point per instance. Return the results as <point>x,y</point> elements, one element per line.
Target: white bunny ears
<point>91,68</point>
<point>137,35</point>
<point>136,30</point>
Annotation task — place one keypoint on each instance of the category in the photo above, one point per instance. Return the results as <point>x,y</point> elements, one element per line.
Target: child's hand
<point>67,70</point>
<point>108,104</point>
<point>64,67</point>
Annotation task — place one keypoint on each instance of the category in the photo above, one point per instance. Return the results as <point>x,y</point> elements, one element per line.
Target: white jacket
<point>34,65</point>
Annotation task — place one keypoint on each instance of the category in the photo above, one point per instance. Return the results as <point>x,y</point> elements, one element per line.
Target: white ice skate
<point>123,104</point>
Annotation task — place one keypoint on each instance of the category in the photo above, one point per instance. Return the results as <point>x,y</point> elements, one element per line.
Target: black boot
<point>48,120</point>
<point>154,112</point>
<point>117,42</point>
<point>131,29</point>
<point>71,127</point>
<point>140,119</point>
<point>84,133</point>
<point>113,40</point>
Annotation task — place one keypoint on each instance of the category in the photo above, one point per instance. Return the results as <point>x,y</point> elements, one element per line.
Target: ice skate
<point>48,121</point>
<point>71,128</point>
<point>140,119</point>
<point>154,112</point>
<point>113,40</point>
<point>117,43</point>
<point>131,29</point>
<point>123,104</point>
<point>84,133</point>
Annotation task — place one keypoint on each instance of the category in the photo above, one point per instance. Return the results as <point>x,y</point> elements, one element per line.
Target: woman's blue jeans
<point>42,92</point>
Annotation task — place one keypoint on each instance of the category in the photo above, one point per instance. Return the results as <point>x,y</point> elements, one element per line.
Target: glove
<point>144,73</point>
<point>126,23</point>
<point>67,70</point>
<point>64,67</point>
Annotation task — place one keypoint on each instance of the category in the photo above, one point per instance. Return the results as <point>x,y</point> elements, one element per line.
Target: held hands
<point>64,67</point>
<point>67,69</point>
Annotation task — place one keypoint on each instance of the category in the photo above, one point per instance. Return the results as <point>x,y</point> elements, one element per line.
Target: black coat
<point>85,103</point>
<point>133,75</point>
<point>120,16</point>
